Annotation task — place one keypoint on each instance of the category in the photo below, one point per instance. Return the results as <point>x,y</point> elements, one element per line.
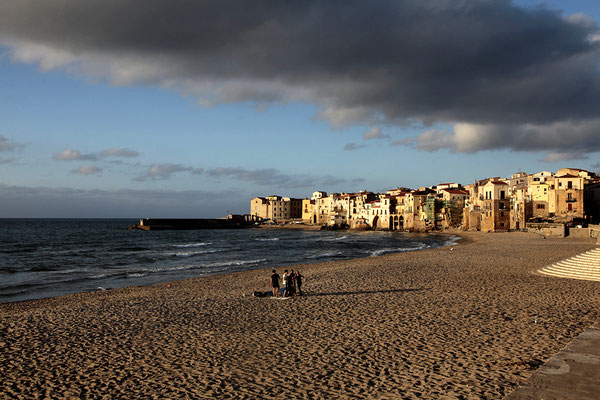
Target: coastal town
<point>569,196</point>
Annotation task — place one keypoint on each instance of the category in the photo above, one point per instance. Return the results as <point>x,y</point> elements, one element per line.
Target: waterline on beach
<point>48,258</point>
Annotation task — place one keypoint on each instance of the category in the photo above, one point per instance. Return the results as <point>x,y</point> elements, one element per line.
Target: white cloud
<point>87,170</point>
<point>353,146</point>
<point>119,152</point>
<point>71,155</point>
<point>263,177</point>
<point>404,142</point>
<point>566,140</point>
<point>564,156</point>
<point>340,117</point>
<point>161,172</point>
<point>430,140</point>
<point>7,145</point>
<point>375,133</point>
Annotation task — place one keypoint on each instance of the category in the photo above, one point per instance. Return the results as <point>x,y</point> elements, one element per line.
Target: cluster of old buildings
<point>493,204</point>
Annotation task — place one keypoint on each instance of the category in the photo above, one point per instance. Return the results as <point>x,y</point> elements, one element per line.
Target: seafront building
<point>276,207</point>
<point>570,195</point>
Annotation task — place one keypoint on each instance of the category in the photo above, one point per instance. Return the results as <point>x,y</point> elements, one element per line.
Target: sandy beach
<point>465,322</point>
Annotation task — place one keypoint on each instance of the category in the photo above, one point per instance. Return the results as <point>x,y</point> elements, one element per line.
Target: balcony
<point>571,200</point>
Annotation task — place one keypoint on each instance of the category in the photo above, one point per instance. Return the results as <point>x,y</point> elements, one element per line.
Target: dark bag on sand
<point>262,294</point>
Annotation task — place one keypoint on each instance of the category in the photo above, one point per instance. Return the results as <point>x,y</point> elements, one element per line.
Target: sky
<point>135,109</point>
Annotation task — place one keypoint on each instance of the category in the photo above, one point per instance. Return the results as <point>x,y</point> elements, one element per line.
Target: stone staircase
<point>585,266</point>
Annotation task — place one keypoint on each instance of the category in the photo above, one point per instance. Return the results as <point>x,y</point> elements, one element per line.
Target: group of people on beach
<point>292,283</point>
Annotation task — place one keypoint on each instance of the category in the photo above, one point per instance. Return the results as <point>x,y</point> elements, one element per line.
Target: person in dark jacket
<point>299,278</point>
<point>275,283</point>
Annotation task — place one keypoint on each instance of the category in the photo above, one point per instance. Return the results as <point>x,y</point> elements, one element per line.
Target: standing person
<point>275,283</point>
<point>286,279</point>
<point>292,280</point>
<point>299,277</point>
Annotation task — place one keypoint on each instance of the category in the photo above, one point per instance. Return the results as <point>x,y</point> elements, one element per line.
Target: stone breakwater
<point>468,321</point>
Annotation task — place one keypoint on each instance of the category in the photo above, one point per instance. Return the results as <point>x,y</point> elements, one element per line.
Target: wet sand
<point>464,322</point>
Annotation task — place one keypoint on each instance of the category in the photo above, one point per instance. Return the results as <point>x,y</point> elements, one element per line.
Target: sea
<point>42,258</point>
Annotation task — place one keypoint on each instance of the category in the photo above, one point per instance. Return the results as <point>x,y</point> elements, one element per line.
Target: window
<point>540,206</point>
<point>502,194</point>
<point>502,213</point>
<point>570,196</point>
<point>570,185</point>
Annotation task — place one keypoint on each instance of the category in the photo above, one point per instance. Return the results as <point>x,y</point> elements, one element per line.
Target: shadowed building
<point>592,201</point>
<point>520,204</point>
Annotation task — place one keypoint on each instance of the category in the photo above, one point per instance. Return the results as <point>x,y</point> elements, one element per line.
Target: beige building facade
<point>496,207</point>
<point>569,197</point>
<point>492,204</point>
<point>276,208</point>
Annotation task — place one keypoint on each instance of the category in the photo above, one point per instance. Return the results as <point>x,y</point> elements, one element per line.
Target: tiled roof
<point>455,191</point>
<point>577,169</point>
<point>568,176</point>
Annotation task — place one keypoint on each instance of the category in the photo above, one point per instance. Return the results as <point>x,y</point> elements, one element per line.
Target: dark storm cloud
<point>479,62</point>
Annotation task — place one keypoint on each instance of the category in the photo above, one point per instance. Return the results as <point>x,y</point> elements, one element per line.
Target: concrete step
<point>571,276</point>
<point>580,278</point>
<point>574,264</point>
<point>587,255</point>
<point>584,266</point>
<point>568,264</point>
<point>570,271</point>
<point>590,259</point>
<point>567,269</point>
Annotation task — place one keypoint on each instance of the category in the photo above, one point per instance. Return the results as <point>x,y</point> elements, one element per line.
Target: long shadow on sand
<point>366,292</point>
